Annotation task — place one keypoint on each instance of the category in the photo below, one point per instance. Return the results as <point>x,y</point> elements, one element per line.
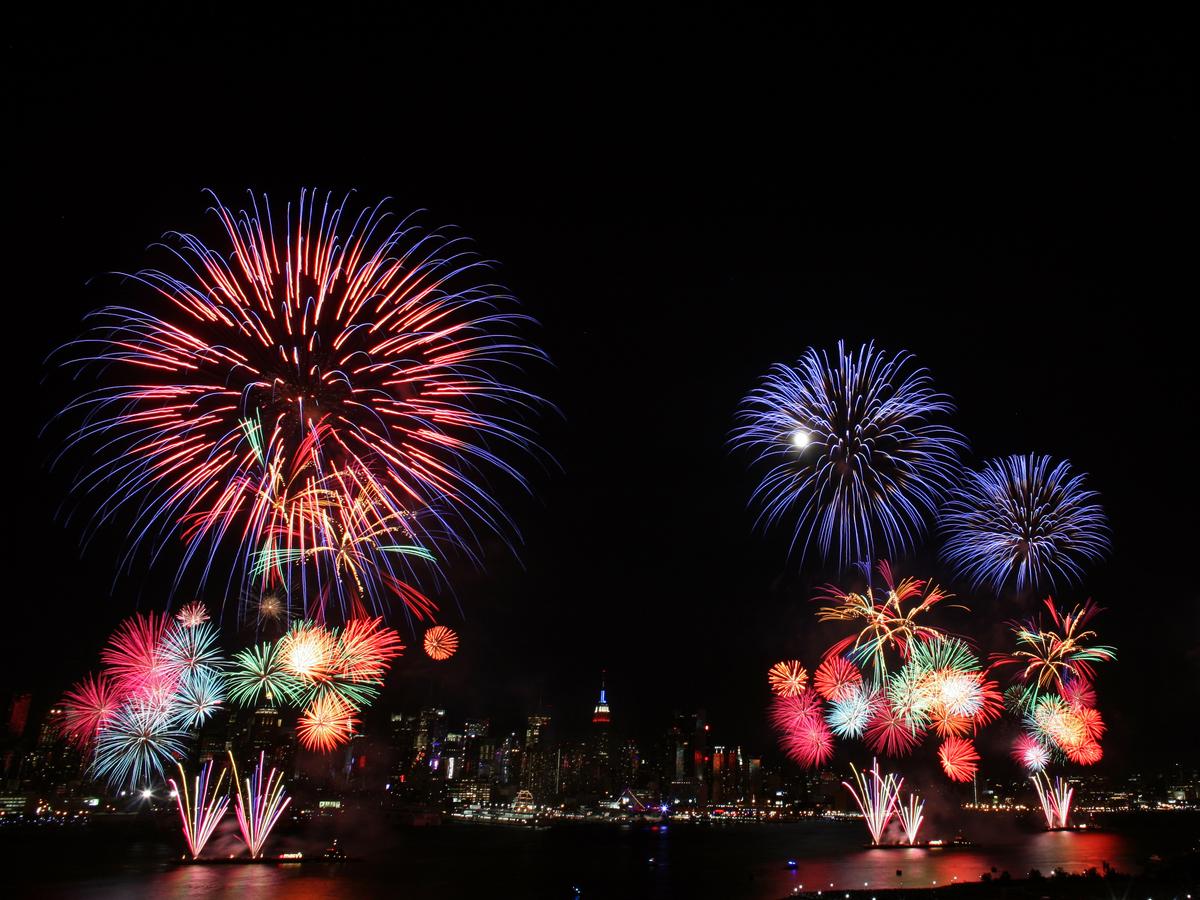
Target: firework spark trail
<point>854,447</point>
<point>911,816</point>
<point>878,796</point>
<point>883,624</point>
<point>1055,797</point>
<point>1050,658</point>
<point>259,805</point>
<point>329,395</point>
<point>1021,521</point>
<point>201,810</point>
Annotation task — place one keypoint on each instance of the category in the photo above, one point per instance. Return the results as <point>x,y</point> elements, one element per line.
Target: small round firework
<point>440,643</point>
<point>1030,753</point>
<point>192,615</point>
<point>788,678</point>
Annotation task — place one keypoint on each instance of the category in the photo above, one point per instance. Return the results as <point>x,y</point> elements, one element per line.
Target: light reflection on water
<point>747,861</point>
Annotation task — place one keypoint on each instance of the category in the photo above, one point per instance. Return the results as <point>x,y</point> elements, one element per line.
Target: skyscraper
<point>598,774</point>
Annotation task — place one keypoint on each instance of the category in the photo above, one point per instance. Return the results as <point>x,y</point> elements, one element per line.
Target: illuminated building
<point>470,790</point>
<point>539,773</point>
<point>401,737</point>
<point>508,760</point>
<point>598,757</point>
<point>431,730</point>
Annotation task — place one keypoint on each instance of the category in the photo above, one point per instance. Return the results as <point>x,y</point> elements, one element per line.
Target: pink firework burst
<point>790,714</point>
<point>1029,752</point>
<point>810,745</point>
<point>890,732</point>
<point>88,705</point>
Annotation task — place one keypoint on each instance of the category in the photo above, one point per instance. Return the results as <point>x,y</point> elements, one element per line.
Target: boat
<point>958,843</point>
<point>332,854</point>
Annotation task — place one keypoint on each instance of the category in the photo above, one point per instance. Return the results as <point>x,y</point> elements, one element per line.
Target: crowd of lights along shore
<point>860,459</point>
<point>319,404</point>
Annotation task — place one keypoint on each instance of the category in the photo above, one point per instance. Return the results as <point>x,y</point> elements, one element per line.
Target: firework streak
<point>1055,798</point>
<point>878,796</point>
<point>199,811</point>
<point>260,805</point>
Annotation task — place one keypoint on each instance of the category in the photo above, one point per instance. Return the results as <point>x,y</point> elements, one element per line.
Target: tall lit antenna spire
<point>600,714</point>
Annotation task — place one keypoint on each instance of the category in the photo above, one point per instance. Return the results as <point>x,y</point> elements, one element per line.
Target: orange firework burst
<point>836,679</point>
<point>1091,723</point>
<point>959,759</point>
<point>1087,753</point>
<point>440,642</point>
<point>326,723</point>
<point>309,652</point>
<point>788,678</point>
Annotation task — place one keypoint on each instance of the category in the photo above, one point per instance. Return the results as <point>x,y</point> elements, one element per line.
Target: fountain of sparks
<point>1056,799</point>
<point>911,815</point>
<point>200,810</point>
<point>877,796</point>
<point>260,803</point>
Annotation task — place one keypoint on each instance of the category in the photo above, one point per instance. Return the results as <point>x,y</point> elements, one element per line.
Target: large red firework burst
<point>959,758</point>
<point>327,390</point>
<point>836,678</point>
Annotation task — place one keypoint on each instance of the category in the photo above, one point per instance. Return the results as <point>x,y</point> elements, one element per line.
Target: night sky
<point>679,208</point>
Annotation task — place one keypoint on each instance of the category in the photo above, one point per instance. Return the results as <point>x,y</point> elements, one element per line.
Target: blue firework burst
<point>855,449</point>
<point>1025,521</point>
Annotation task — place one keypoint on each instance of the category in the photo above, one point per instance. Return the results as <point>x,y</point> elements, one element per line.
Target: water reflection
<point>748,862</point>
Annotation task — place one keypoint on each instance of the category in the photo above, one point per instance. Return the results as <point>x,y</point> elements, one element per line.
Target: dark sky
<point>680,204</point>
